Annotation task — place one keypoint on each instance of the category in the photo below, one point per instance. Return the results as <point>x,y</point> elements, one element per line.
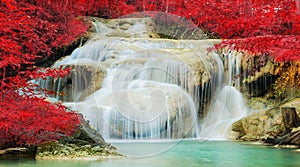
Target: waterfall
<point>227,104</point>
<point>132,86</point>
<point>227,107</point>
<point>148,92</point>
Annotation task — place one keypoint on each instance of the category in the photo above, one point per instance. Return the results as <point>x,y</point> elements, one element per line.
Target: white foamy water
<point>154,89</point>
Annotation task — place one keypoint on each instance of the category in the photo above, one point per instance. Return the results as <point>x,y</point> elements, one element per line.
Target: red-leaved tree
<point>32,120</point>
<point>29,32</point>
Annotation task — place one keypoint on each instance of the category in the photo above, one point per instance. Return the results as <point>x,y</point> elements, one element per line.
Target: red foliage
<point>282,47</point>
<point>27,32</point>
<point>100,8</point>
<point>31,120</point>
<point>268,27</point>
<point>49,72</point>
<point>271,27</point>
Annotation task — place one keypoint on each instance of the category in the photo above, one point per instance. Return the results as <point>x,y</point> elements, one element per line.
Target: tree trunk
<point>18,153</point>
<point>292,138</point>
<point>290,118</point>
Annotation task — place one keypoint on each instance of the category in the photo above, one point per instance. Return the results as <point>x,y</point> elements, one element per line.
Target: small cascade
<point>232,67</point>
<point>227,107</point>
<point>145,110</point>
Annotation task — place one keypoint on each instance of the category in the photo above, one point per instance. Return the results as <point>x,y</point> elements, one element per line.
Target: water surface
<point>185,154</point>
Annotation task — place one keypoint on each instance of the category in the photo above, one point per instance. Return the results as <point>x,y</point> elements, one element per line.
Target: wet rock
<point>97,149</point>
<point>56,152</point>
<point>127,28</point>
<point>176,27</point>
<point>290,118</point>
<point>84,137</point>
<point>86,147</point>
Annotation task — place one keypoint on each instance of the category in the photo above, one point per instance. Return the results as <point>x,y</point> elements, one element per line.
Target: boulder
<point>272,122</point>
<point>290,118</point>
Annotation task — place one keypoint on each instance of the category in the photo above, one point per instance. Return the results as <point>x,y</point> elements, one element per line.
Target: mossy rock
<point>84,143</point>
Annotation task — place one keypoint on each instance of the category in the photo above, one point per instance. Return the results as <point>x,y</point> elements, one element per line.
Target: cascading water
<point>152,88</point>
<point>226,108</point>
<point>227,105</point>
